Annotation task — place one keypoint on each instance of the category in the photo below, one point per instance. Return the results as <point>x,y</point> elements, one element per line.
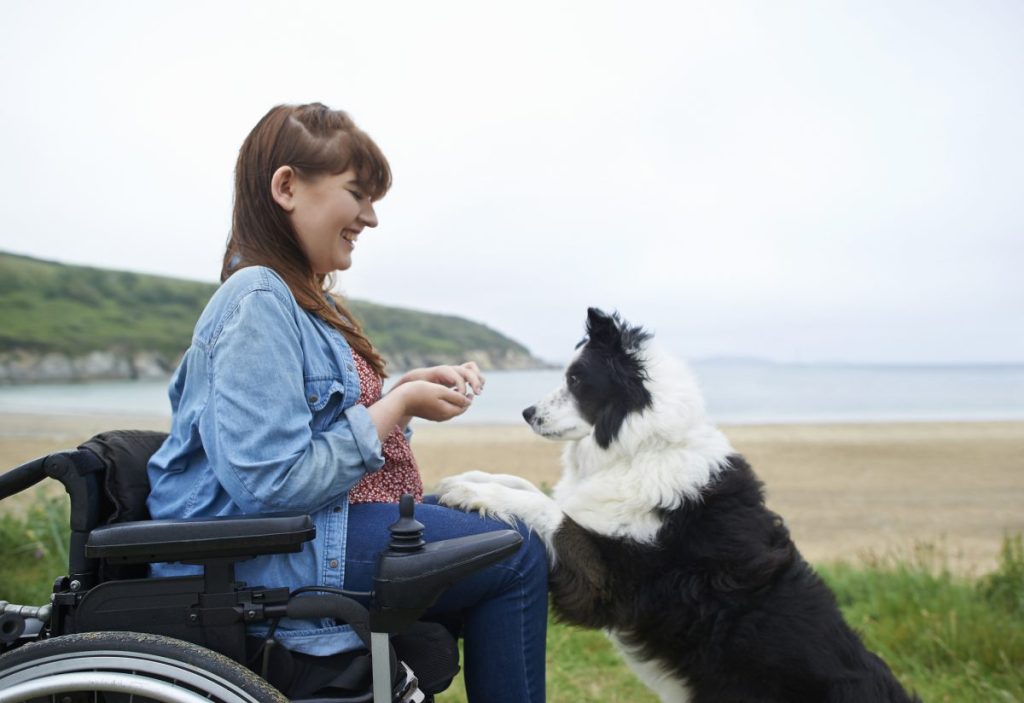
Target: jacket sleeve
<point>256,427</point>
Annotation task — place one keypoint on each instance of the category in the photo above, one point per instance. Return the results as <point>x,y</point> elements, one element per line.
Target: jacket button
<point>313,398</point>
<point>334,563</point>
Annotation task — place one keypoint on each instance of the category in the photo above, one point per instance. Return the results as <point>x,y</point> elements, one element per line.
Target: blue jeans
<point>503,608</point>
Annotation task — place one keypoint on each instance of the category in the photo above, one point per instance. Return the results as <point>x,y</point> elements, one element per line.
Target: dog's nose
<point>529,413</point>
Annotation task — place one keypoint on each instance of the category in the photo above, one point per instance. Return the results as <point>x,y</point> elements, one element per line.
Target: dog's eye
<point>572,379</point>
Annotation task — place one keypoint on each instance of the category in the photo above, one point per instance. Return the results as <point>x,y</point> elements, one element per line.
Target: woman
<point>277,406</point>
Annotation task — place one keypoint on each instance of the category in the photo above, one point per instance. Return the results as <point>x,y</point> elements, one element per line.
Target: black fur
<point>724,600</point>
<point>607,378</point>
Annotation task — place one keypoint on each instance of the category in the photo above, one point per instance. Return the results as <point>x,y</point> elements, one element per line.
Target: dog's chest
<point>608,502</point>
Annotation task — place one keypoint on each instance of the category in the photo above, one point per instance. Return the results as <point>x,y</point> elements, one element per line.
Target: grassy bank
<point>952,638</point>
<point>47,307</point>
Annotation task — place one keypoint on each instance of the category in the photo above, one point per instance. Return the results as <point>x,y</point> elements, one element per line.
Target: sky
<point>795,181</point>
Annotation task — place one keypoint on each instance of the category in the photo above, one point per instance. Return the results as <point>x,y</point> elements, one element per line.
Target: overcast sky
<point>799,181</point>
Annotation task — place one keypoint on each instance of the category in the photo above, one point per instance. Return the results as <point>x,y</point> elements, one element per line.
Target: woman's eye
<point>357,195</point>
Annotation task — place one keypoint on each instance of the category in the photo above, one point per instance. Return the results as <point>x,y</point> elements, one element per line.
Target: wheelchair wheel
<point>126,667</point>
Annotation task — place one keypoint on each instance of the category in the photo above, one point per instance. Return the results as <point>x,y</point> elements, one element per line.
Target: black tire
<point>123,666</point>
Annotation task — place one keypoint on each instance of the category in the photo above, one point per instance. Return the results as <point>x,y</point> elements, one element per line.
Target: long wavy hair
<point>314,140</point>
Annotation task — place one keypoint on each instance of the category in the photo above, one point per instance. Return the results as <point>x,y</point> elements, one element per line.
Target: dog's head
<point>604,384</point>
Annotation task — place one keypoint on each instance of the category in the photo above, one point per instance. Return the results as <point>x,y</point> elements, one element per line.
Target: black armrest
<point>415,581</point>
<point>193,539</point>
<point>412,575</point>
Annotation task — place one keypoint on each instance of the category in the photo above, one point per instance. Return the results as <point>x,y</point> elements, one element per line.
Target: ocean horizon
<point>736,392</point>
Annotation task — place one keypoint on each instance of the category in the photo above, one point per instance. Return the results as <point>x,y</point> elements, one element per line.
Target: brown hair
<point>314,140</point>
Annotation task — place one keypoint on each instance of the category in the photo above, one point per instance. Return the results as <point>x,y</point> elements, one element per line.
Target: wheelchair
<point>111,633</point>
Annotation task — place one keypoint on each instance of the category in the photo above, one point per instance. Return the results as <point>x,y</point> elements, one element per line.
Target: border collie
<point>658,533</point>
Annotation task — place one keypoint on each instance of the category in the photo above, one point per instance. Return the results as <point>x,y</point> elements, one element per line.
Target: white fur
<point>660,458</point>
<point>662,682</point>
<point>557,417</point>
<point>506,498</point>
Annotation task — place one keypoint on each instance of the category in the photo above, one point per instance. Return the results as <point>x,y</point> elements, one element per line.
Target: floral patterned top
<point>399,474</point>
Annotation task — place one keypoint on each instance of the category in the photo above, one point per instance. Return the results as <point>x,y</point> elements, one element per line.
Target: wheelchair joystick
<point>406,531</point>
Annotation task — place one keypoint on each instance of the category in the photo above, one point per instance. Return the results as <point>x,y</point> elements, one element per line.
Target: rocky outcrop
<point>21,366</point>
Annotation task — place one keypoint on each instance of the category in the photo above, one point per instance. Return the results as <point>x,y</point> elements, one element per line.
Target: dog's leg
<point>528,506</point>
<point>578,581</point>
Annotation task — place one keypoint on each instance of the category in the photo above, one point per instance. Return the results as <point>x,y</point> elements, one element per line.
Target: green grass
<point>33,551</point>
<point>951,638</point>
<point>948,637</point>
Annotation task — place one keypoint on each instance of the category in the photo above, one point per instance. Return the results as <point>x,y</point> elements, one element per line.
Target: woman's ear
<point>282,187</point>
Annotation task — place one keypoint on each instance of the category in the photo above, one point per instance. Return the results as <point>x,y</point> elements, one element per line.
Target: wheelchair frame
<point>107,600</point>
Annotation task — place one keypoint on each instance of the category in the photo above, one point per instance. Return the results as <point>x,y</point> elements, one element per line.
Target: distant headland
<point>61,323</point>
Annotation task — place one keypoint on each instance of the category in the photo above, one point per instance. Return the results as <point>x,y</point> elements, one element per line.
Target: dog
<point>658,534</point>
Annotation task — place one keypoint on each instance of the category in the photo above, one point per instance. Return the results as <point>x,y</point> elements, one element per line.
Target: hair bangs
<point>367,160</point>
<point>333,144</point>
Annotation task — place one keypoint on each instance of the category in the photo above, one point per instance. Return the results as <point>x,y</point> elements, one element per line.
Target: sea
<point>736,392</point>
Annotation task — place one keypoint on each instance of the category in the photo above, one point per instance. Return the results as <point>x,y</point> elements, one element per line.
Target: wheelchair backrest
<point>124,455</point>
<point>106,481</point>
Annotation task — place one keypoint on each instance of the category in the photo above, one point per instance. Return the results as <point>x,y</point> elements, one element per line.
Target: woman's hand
<point>416,398</point>
<point>437,393</point>
<point>432,401</point>
<point>457,377</point>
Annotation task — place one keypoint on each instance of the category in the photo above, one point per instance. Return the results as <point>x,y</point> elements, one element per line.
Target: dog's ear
<point>600,326</point>
<point>608,424</point>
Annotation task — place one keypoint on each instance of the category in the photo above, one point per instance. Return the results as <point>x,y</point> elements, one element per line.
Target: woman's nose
<point>368,215</point>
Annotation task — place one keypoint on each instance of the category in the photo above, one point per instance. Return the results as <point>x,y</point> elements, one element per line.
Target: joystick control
<point>406,531</point>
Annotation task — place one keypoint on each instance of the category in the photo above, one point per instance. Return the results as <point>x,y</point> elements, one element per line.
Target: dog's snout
<point>529,413</point>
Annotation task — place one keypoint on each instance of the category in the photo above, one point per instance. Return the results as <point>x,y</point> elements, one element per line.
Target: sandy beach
<point>848,492</point>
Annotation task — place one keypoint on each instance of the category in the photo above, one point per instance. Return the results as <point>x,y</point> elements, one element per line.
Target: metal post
<point>380,656</point>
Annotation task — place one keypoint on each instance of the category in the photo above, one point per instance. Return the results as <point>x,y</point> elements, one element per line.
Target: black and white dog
<point>658,534</point>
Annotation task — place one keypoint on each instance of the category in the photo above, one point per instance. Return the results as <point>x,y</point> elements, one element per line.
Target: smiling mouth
<point>350,237</point>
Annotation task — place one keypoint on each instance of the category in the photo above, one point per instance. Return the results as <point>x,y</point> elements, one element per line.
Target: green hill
<point>59,312</point>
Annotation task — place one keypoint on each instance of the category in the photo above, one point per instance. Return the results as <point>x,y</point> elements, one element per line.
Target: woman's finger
<point>451,404</point>
<point>444,376</point>
<point>456,397</point>
<point>454,379</point>
<point>471,372</point>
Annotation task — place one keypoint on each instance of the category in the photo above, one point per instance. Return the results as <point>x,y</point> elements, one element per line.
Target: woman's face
<point>328,213</point>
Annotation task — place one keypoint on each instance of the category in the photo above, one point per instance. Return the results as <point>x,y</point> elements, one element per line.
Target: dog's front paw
<point>467,494</point>
<point>507,480</point>
<point>468,477</point>
<point>519,504</point>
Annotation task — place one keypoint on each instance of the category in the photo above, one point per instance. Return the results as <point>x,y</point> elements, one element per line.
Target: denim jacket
<point>265,420</point>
